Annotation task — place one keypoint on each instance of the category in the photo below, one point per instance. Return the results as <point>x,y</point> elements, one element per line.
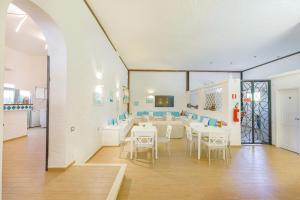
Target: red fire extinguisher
<point>236,111</point>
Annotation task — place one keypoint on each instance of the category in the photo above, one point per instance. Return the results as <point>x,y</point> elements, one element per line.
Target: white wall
<point>229,87</point>
<point>278,67</point>
<point>26,72</point>
<point>3,8</point>
<point>199,79</point>
<point>87,50</point>
<point>161,83</point>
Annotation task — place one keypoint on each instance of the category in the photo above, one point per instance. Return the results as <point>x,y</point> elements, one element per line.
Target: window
<point>9,93</point>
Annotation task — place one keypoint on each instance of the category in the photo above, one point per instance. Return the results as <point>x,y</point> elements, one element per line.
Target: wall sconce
<point>99,75</point>
<point>99,89</point>
<point>117,94</point>
<point>150,91</point>
<point>117,85</point>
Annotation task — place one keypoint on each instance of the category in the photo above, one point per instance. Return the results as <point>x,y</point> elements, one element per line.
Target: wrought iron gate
<point>256,112</point>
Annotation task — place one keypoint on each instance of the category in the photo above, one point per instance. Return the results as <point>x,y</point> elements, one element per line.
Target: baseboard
<point>114,191</point>
<point>61,168</point>
<point>90,157</point>
<point>16,138</point>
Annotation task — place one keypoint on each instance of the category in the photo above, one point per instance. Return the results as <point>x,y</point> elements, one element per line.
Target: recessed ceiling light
<point>254,56</point>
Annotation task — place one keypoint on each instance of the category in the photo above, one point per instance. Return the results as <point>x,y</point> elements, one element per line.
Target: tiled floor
<point>255,172</point>
<point>24,177</point>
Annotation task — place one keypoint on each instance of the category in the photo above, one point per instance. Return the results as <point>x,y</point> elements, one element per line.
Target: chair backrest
<point>169,131</point>
<point>188,131</point>
<point>218,139</point>
<point>145,124</point>
<point>169,117</point>
<point>146,118</point>
<point>144,138</point>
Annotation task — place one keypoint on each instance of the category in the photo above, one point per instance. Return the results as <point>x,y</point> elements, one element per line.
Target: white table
<point>200,130</point>
<point>141,129</point>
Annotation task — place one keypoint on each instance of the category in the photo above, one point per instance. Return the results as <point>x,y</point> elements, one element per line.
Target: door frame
<point>47,113</point>
<point>277,95</point>
<point>269,105</point>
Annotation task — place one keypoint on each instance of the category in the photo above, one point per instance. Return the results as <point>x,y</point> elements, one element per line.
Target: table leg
<point>156,146</point>
<point>199,145</point>
<point>131,148</point>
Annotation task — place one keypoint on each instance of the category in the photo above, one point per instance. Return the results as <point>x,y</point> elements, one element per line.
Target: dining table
<point>145,129</point>
<point>200,130</point>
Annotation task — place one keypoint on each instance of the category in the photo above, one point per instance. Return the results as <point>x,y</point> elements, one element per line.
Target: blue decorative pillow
<point>212,122</point>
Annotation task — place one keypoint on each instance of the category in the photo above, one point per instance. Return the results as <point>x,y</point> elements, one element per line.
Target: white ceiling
<point>200,34</point>
<point>29,39</point>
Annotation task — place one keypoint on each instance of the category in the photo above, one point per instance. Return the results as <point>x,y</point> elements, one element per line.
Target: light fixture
<point>117,94</point>
<point>150,91</point>
<point>117,85</point>
<point>20,24</point>
<point>99,75</point>
<point>99,89</point>
<point>46,46</point>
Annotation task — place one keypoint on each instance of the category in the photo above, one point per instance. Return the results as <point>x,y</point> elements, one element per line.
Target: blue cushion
<point>176,114</point>
<point>140,114</point>
<point>212,122</point>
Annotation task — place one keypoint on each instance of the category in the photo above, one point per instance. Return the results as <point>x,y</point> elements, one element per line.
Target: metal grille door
<point>256,112</point>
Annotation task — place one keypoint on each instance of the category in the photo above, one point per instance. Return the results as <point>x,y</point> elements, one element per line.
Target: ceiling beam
<point>105,33</point>
<point>179,70</point>
<point>271,61</point>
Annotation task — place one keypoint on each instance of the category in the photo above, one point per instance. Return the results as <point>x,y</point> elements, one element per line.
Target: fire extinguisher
<point>236,111</point>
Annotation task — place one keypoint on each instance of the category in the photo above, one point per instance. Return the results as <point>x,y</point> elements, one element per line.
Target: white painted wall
<point>229,87</point>
<point>278,67</point>
<point>26,72</point>
<point>161,83</point>
<point>3,8</point>
<point>199,79</point>
<point>87,50</point>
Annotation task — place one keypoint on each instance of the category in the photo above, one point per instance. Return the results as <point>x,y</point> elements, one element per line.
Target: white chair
<point>146,118</point>
<point>216,141</point>
<point>167,138</point>
<point>190,139</point>
<point>169,117</point>
<point>123,144</point>
<point>144,140</point>
<point>145,124</point>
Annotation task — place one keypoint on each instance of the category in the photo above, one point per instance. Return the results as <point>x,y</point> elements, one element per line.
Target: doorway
<point>256,112</point>
<point>288,119</point>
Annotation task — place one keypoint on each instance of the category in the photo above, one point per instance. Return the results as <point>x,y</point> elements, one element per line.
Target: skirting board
<point>16,138</point>
<point>114,191</point>
<point>61,168</point>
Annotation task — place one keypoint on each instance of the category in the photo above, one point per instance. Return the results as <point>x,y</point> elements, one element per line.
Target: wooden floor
<point>255,172</point>
<point>24,177</point>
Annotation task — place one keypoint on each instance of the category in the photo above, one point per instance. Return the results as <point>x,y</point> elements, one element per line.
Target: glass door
<point>256,112</point>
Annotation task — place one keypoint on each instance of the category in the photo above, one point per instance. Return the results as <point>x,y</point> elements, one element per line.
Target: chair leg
<point>153,155</point>
<point>135,153</point>
<point>191,148</point>
<point>121,149</point>
<point>208,157</point>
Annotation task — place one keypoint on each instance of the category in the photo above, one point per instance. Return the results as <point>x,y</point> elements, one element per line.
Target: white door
<point>288,119</point>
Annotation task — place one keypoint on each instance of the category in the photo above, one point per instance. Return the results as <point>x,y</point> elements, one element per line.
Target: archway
<point>57,53</point>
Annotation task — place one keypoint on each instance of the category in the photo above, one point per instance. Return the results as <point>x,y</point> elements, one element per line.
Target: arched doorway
<point>55,139</point>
